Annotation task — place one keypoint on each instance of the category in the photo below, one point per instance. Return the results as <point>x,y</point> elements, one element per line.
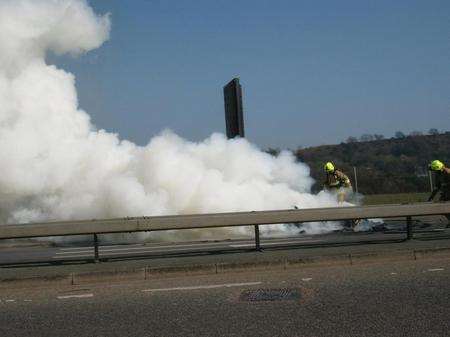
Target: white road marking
<point>393,273</point>
<point>137,249</point>
<point>143,246</point>
<point>74,253</point>
<point>75,296</point>
<point>27,300</point>
<point>307,279</point>
<point>69,256</point>
<point>10,300</point>
<point>162,247</point>
<point>436,269</point>
<point>273,243</point>
<point>118,253</point>
<point>129,247</point>
<point>213,286</point>
<point>92,247</point>
<point>75,248</point>
<point>115,252</point>
<point>187,245</point>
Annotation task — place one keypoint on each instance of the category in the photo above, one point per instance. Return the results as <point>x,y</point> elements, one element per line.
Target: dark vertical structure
<point>234,114</point>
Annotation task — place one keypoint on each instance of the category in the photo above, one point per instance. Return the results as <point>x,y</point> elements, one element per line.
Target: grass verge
<point>399,198</point>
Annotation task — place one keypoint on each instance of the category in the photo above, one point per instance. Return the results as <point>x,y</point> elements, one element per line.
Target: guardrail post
<point>409,229</point>
<point>96,255</point>
<point>257,243</point>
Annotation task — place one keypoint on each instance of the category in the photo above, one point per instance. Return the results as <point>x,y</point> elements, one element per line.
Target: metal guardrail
<point>197,221</point>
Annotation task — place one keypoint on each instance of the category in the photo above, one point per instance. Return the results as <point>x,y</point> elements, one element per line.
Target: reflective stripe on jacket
<point>337,179</point>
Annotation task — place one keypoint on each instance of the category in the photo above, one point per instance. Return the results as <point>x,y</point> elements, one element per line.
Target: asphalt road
<point>391,299</point>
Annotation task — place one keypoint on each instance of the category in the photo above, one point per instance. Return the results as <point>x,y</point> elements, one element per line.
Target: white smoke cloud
<point>55,165</point>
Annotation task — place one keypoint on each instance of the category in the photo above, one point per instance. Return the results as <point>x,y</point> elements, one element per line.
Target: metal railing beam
<point>197,221</point>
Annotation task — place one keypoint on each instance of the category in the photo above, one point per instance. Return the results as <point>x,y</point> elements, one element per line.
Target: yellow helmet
<point>329,167</point>
<point>436,165</point>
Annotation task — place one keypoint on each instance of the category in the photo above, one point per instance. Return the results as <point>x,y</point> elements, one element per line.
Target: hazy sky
<point>313,72</point>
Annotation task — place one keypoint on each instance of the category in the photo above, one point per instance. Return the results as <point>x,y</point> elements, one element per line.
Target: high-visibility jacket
<point>337,179</point>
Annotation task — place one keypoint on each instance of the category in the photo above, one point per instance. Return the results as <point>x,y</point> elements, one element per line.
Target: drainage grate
<point>283,294</point>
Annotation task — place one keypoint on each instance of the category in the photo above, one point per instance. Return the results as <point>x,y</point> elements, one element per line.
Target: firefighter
<point>337,182</point>
<point>441,180</point>
<point>441,183</point>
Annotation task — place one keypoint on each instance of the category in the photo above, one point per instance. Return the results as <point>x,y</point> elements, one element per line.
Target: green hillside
<point>383,166</point>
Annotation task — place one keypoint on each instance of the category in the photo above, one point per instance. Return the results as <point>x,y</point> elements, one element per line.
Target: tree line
<point>398,135</point>
<point>395,165</point>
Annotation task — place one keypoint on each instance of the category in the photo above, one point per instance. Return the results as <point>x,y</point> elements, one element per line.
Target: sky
<point>313,72</point>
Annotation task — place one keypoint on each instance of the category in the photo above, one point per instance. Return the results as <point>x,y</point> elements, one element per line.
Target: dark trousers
<point>445,196</point>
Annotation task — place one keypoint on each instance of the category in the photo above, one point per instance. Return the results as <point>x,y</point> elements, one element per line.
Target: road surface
<point>411,298</point>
